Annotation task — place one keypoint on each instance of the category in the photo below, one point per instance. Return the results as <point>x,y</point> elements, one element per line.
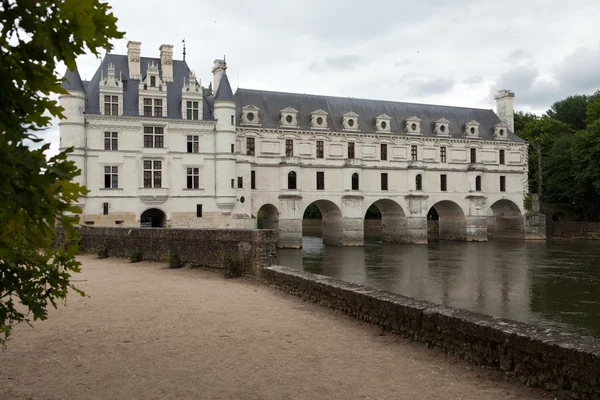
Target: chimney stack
<point>134,50</point>
<point>166,62</point>
<point>505,109</point>
<point>218,70</point>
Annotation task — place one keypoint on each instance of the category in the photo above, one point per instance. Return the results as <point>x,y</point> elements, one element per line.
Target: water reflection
<point>555,283</point>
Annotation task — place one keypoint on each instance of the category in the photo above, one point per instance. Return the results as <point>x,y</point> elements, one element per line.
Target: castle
<point>158,149</point>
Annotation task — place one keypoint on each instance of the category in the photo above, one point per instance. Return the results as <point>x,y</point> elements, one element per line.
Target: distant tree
<point>37,193</point>
<point>571,111</point>
<point>373,212</point>
<point>522,119</point>
<point>312,212</point>
<point>586,169</point>
<point>592,113</point>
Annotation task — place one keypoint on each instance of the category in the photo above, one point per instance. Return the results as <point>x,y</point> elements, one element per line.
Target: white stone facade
<point>219,162</point>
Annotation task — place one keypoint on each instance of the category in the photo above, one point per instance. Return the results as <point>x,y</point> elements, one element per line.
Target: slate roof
<point>271,104</point>
<point>130,96</point>
<point>73,81</point>
<point>224,92</point>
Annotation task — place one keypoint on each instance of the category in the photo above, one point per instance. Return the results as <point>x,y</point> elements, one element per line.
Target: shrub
<point>135,255</point>
<point>103,250</point>
<point>528,202</point>
<point>173,259</point>
<point>76,241</point>
<point>231,265</point>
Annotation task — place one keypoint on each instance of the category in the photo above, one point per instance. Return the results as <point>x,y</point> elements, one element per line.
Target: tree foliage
<point>571,111</point>
<point>37,194</point>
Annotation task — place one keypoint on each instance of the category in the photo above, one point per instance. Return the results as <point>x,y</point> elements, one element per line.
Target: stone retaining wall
<point>567,364</point>
<point>196,247</point>
<point>575,230</point>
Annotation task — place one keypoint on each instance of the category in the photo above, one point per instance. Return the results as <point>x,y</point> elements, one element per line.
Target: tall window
<point>501,157</point>
<point>413,152</point>
<point>443,183</point>
<point>198,210</point>
<point>383,151</point>
<point>193,144</point>
<point>232,148</point>
<point>111,105</point>
<point>355,181</point>
<point>443,154</point>
<point>250,146</point>
<point>502,183</point>
<point>351,150</point>
<point>320,180</point>
<point>473,155</point>
<point>252,179</point>
<point>153,81</point>
<point>240,182</point>
<point>154,136</point>
<point>111,177</point>
<point>105,208</point>
<point>320,147</point>
<point>292,180</point>
<point>289,147</point>
<point>153,107</point>
<point>111,141</point>
<point>384,181</point>
<point>419,182</point>
<point>191,108</point>
<point>193,178</point>
<point>152,174</point>
<point>478,184</point>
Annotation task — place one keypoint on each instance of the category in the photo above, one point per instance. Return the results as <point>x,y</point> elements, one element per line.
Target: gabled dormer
<point>383,123</point>
<point>501,131</point>
<point>472,129</point>
<point>152,93</point>
<point>191,98</point>
<point>111,92</point>
<point>318,119</point>
<point>350,121</point>
<point>442,127</point>
<point>288,118</point>
<point>250,115</point>
<point>413,125</point>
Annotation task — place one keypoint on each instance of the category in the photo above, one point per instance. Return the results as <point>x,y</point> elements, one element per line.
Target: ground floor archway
<point>446,221</point>
<point>385,220</point>
<point>153,218</point>
<point>267,217</point>
<point>505,221</point>
<point>331,222</point>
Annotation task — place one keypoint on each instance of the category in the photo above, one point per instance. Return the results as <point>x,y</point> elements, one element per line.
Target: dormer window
<point>382,123</point>
<point>191,99</point>
<point>153,81</point>
<point>289,118</point>
<point>318,119</point>
<point>250,115</point>
<point>500,131</point>
<point>350,121</point>
<point>442,127</point>
<point>472,129</point>
<point>192,110</point>
<point>413,126</point>
<point>111,92</point>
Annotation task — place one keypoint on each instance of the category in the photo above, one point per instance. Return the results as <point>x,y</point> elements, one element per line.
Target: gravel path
<point>147,332</point>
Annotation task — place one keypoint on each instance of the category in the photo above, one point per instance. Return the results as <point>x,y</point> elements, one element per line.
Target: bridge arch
<point>446,221</point>
<point>505,220</point>
<point>331,222</point>
<point>392,221</point>
<point>267,217</point>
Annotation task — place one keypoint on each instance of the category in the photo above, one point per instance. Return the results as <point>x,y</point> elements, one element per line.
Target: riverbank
<point>147,332</point>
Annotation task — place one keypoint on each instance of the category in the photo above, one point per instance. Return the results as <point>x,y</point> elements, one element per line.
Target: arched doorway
<point>331,224</point>
<point>385,220</point>
<point>446,221</point>
<point>268,217</point>
<point>153,218</point>
<point>505,221</point>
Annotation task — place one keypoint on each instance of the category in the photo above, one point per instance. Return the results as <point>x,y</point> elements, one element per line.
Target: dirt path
<point>147,332</point>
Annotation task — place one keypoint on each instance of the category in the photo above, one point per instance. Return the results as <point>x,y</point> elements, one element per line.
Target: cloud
<point>426,87</point>
<point>340,63</point>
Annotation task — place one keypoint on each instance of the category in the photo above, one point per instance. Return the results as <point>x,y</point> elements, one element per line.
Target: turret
<point>224,113</point>
<point>72,128</point>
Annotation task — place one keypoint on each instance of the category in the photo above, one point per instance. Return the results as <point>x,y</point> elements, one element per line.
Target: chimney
<point>166,62</point>
<point>218,70</point>
<point>504,108</point>
<point>134,50</point>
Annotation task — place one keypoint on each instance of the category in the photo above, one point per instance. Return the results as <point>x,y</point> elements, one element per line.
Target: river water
<point>554,283</point>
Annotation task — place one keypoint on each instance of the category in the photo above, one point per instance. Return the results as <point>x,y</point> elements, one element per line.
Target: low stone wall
<point>575,230</point>
<point>196,247</point>
<point>567,364</point>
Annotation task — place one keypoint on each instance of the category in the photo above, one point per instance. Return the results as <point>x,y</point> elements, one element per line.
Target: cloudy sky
<point>443,52</point>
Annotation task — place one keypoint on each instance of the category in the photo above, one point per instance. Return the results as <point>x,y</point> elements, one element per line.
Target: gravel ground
<point>148,332</point>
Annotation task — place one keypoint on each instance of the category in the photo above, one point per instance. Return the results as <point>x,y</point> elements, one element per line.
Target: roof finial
<point>224,60</point>
<point>183,41</point>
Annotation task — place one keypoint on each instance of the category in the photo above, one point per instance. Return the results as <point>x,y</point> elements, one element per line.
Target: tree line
<point>564,154</point>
